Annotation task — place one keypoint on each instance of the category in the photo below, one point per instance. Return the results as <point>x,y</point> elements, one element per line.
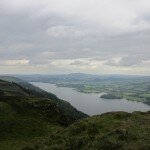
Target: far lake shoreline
<point>91,103</point>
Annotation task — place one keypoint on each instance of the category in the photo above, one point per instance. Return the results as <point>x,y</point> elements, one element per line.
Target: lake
<point>91,103</point>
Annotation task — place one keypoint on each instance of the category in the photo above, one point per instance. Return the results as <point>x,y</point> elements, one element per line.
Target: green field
<point>135,88</point>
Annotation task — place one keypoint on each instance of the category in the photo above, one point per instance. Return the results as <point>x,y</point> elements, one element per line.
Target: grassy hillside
<point>27,114</point>
<point>110,131</point>
<point>17,87</point>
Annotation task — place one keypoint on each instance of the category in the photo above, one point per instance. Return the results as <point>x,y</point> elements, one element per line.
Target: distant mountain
<point>79,77</point>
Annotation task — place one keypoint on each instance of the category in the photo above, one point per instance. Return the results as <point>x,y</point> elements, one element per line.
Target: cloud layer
<point>62,36</point>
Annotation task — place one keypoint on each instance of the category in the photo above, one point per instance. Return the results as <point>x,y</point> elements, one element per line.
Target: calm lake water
<point>91,104</point>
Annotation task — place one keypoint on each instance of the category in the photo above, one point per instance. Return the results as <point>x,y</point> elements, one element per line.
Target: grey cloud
<point>64,31</point>
<point>78,63</point>
<point>42,32</point>
<point>132,60</point>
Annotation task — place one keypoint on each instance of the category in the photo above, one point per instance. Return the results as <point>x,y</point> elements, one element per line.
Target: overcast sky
<point>64,36</point>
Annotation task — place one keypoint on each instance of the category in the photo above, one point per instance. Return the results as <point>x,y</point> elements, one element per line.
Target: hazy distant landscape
<point>134,88</point>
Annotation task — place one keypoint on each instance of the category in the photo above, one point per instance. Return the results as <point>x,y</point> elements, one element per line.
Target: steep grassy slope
<point>27,114</point>
<point>22,88</point>
<point>110,131</point>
